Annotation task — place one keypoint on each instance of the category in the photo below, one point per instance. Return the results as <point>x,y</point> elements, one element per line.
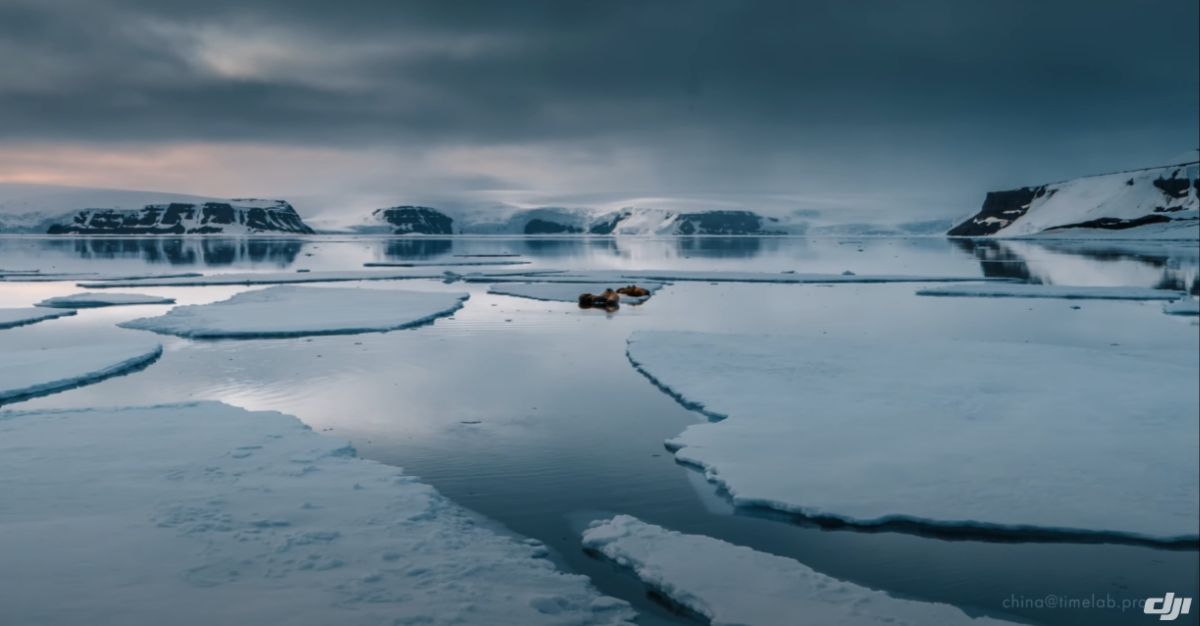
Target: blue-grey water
<point>529,413</point>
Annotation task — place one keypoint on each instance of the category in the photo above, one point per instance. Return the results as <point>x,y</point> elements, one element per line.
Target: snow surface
<point>201,514</point>
<point>11,318</point>
<point>26,373</point>
<point>1019,437</point>
<point>91,300</point>
<point>288,311</point>
<point>447,262</point>
<point>565,292</point>
<point>732,585</point>
<point>1183,306</point>
<point>1018,290</point>
<point>266,278</point>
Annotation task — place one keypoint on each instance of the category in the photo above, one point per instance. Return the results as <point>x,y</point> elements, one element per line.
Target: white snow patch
<point>26,373</point>
<point>204,513</point>
<point>1018,290</point>
<point>566,292</point>
<point>88,300</point>
<point>732,585</point>
<point>991,436</point>
<point>10,318</point>
<point>288,311</point>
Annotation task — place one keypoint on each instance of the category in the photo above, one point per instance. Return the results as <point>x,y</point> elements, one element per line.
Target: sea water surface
<point>529,413</point>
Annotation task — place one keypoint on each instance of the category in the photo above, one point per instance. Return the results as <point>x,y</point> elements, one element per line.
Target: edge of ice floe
<point>128,366</point>
<point>142,323</point>
<point>1052,292</point>
<point>949,529</point>
<point>49,313</point>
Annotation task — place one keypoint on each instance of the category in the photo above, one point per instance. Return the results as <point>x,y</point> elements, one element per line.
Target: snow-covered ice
<point>267,278</point>
<point>565,292</point>
<point>20,316</point>
<point>990,436</point>
<point>1068,292</point>
<point>1183,306</point>
<point>448,262</point>
<point>731,585</point>
<point>48,277</point>
<point>289,311</point>
<point>88,300</point>
<point>201,514</point>
<point>26,373</point>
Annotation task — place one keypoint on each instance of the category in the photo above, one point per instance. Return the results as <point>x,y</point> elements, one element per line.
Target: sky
<point>871,107</point>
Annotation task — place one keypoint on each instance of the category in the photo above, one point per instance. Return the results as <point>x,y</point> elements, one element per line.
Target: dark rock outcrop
<point>178,218</point>
<point>416,220</point>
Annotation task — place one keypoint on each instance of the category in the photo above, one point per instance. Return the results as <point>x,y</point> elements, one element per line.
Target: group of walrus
<point>610,300</point>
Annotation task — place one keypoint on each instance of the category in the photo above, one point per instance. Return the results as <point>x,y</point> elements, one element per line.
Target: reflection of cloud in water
<point>1164,265</point>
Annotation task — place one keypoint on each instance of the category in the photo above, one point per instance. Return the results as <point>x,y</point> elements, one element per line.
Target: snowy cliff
<point>1159,202</point>
<point>37,209</point>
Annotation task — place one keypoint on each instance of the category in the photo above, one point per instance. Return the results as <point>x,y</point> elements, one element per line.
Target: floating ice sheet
<point>445,263</point>
<point>47,277</point>
<point>10,318</point>
<point>1183,306</point>
<point>289,311</point>
<point>202,514</point>
<point>565,292</point>
<point>27,373</point>
<point>989,436</point>
<point>624,277</point>
<point>729,584</point>
<point>89,300</point>
<point>1019,290</point>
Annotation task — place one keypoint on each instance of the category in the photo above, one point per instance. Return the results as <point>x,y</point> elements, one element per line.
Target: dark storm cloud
<point>748,84</point>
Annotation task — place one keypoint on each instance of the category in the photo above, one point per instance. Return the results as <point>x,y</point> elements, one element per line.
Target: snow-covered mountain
<point>1158,202</point>
<point>39,209</point>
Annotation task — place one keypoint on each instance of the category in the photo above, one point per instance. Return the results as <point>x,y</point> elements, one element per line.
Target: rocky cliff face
<point>415,220</point>
<point>183,218</point>
<point>1158,202</point>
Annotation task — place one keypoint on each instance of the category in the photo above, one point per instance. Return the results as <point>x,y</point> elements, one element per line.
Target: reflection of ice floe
<point>203,513</point>
<point>28,373</point>
<point>288,311</point>
<point>993,437</point>
<point>729,584</point>
<point>88,300</point>
<point>11,318</point>
<point>1067,292</point>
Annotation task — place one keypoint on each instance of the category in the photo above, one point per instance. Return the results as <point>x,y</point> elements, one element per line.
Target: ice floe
<point>1020,290</point>
<point>89,300</point>
<point>565,292</point>
<point>289,311</point>
<point>27,373</point>
<point>20,316</point>
<point>990,437</point>
<point>734,585</point>
<point>201,514</point>
<point>620,277</point>
<point>1183,306</point>
<point>450,262</point>
<point>47,277</point>
<point>267,278</point>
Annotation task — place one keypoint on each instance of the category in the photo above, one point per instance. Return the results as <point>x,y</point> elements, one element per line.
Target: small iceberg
<point>1183,306</point>
<point>1021,290</point>
<point>288,311</point>
<point>729,584</point>
<point>88,300</point>
<point>204,513</point>
<point>28,373</point>
<point>1019,439</point>
<point>20,316</point>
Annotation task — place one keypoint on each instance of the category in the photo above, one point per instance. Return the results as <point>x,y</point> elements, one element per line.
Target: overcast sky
<point>912,108</point>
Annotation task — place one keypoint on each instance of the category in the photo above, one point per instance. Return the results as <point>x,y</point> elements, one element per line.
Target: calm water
<point>529,413</point>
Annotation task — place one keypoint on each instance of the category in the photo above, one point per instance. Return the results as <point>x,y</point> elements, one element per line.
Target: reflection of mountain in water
<point>416,248</point>
<point>1162,265</point>
<point>180,251</point>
